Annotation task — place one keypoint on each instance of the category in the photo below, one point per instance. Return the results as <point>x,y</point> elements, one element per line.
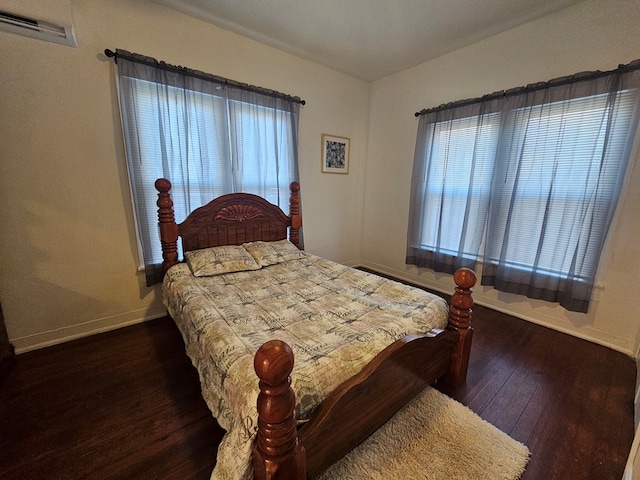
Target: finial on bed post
<point>277,452</point>
<point>167,224</point>
<point>460,319</point>
<point>294,212</point>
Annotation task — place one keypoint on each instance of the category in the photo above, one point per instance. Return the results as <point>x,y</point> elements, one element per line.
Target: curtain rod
<point>152,62</point>
<point>577,77</point>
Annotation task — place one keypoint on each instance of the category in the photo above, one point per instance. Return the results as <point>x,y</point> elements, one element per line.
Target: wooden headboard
<point>231,219</point>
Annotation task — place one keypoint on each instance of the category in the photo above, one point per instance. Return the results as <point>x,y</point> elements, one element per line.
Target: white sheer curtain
<point>534,174</point>
<point>207,135</point>
<point>450,187</point>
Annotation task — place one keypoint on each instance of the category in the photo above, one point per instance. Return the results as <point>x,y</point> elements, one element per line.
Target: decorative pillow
<point>218,260</point>
<point>270,253</point>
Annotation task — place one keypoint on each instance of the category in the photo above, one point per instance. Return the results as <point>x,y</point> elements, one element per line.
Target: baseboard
<point>92,327</point>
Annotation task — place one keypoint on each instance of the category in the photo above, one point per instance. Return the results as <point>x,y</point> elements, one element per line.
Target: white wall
<point>592,35</point>
<point>67,248</point>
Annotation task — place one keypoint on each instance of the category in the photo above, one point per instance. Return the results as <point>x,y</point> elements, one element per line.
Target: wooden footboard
<point>361,404</point>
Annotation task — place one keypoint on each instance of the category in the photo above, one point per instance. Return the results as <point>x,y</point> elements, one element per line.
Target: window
<point>533,175</point>
<point>564,181</point>
<point>207,136</point>
<point>462,153</point>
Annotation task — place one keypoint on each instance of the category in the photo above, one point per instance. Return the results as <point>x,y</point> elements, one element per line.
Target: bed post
<point>277,451</point>
<point>167,224</point>
<point>460,319</point>
<point>294,212</point>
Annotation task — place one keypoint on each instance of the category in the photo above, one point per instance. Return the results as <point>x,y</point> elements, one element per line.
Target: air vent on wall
<point>37,29</point>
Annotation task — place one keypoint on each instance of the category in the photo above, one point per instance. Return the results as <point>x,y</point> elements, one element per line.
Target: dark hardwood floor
<point>126,404</point>
<point>120,405</point>
<point>570,401</point>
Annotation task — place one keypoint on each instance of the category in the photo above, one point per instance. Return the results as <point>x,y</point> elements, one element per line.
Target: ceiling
<point>368,39</point>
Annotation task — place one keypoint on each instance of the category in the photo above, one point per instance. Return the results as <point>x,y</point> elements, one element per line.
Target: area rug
<point>436,438</point>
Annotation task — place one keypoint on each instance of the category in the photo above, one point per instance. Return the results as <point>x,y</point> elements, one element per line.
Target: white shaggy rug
<point>436,438</point>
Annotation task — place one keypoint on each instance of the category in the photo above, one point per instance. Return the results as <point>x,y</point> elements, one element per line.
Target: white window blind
<point>558,176</point>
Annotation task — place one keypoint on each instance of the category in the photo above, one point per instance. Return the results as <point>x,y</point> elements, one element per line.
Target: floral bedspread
<point>335,318</point>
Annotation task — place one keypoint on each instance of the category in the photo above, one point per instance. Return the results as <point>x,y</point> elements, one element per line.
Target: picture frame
<point>335,154</point>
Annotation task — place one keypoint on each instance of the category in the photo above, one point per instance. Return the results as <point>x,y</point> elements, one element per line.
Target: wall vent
<point>30,27</point>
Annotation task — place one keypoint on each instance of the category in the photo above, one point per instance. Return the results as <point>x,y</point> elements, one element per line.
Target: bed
<point>249,301</point>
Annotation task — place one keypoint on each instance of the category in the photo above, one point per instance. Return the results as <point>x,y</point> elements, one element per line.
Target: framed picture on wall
<point>335,154</point>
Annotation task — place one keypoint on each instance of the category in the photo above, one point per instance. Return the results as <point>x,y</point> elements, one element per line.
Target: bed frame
<point>361,404</point>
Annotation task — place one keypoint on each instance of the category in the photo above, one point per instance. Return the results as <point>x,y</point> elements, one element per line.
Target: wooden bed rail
<point>389,381</point>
